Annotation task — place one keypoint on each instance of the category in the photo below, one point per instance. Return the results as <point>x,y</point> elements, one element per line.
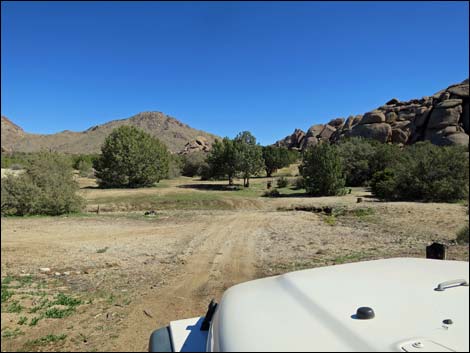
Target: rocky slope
<point>177,136</point>
<point>442,119</point>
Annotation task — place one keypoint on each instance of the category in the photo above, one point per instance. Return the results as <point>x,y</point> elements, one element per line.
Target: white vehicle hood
<point>314,310</point>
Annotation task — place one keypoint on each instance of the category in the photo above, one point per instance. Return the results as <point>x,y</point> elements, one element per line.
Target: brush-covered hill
<point>178,136</point>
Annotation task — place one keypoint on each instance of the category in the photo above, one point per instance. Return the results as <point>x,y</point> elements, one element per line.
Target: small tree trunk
<point>230,180</point>
<point>246,181</point>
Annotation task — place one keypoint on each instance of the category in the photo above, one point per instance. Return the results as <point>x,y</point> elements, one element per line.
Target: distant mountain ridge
<point>176,135</point>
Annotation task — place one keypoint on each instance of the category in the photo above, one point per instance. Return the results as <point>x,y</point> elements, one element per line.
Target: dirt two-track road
<point>133,273</point>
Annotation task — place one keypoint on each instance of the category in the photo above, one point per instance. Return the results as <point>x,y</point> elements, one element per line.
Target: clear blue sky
<point>267,67</point>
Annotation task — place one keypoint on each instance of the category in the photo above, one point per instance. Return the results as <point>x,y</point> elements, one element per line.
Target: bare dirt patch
<point>126,274</point>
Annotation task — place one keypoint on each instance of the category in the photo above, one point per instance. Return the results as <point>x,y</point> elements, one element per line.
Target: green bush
<point>131,158</point>
<point>322,170</point>
<point>282,182</point>
<point>194,164</point>
<point>276,158</point>
<point>362,158</point>
<point>84,163</point>
<point>427,173</point>
<point>272,193</point>
<point>299,183</point>
<point>175,165</point>
<point>46,187</point>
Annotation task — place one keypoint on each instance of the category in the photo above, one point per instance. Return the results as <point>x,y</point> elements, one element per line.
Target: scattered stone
<point>359,199</point>
<point>45,269</point>
<point>148,313</point>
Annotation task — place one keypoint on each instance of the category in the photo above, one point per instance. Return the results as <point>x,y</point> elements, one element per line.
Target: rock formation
<point>442,119</point>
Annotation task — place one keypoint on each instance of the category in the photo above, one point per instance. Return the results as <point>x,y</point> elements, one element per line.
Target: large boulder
<point>348,123</point>
<point>391,117</point>
<point>315,130</point>
<point>309,142</point>
<point>460,90</point>
<point>373,117</point>
<point>393,101</point>
<point>326,133</point>
<point>440,138</point>
<point>422,117</point>
<point>336,123</point>
<point>400,136</point>
<point>444,114</point>
<point>381,132</point>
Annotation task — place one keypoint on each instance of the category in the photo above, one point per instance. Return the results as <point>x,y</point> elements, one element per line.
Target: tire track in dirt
<point>222,255</point>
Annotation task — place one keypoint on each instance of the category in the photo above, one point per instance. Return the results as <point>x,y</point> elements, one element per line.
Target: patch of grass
<point>45,303</point>
<point>7,280</point>
<point>330,220</point>
<point>9,333</point>
<point>45,340</point>
<point>272,193</point>
<point>463,235</point>
<point>22,320</point>
<point>34,321</point>
<point>6,294</point>
<point>14,307</point>
<point>111,299</point>
<point>190,200</point>
<point>127,301</point>
<point>363,212</point>
<point>62,299</point>
<point>353,257</point>
<point>102,250</point>
<point>56,313</point>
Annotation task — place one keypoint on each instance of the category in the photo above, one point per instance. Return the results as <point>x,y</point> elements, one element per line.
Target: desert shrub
<point>272,193</point>
<point>282,182</point>
<point>322,170</point>
<point>425,172</point>
<point>131,158</point>
<point>299,183</point>
<point>175,165</point>
<point>46,187</point>
<point>194,164</point>
<point>84,163</point>
<point>362,158</point>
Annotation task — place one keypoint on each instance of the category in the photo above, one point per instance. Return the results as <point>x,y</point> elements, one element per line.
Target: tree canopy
<point>130,157</point>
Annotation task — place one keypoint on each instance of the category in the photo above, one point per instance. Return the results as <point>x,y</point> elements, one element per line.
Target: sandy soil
<point>135,273</point>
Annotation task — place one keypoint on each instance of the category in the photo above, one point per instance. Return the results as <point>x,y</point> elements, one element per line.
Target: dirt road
<point>221,255</point>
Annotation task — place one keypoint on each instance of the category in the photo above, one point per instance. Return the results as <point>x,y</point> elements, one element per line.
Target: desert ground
<point>103,280</point>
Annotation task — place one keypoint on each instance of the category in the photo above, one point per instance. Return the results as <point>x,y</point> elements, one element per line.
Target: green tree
<point>194,163</point>
<point>46,187</point>
<point>130,157</point>
<point>322,170</point>
<point>249,157</point>
<point>223,160</point>
<point>425,172</point>
<point>276,158</point>
<point>362,158</point>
